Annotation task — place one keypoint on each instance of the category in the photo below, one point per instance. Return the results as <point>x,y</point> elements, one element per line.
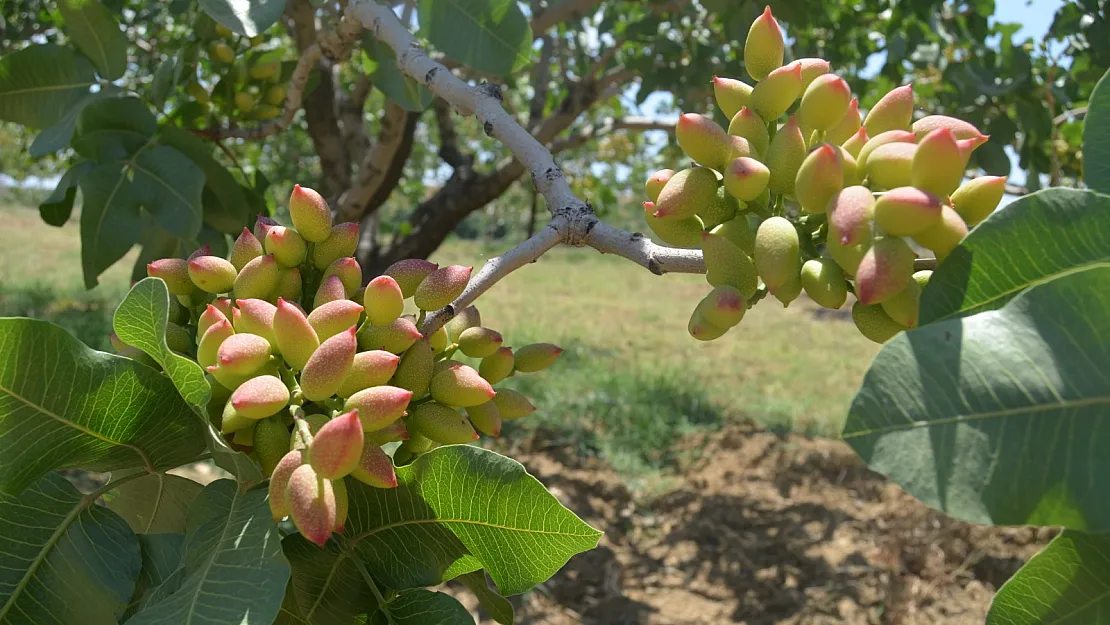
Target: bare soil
<point>768,529</point>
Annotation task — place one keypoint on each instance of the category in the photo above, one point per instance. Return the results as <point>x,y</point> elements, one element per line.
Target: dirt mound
<point>769,529</point>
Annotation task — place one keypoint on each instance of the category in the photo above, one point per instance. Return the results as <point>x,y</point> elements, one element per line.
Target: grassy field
<point>632,380</point>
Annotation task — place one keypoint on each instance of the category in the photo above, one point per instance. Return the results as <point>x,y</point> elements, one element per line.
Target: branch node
<point>491,90</point>
<point>654,267</point>
<point>488,127</point>
<point>430,76</point>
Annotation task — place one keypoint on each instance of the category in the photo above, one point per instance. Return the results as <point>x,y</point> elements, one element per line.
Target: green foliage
<point>491,36</point>
<point>41,82</point>
<point>1096,138</point>
<point>257,17</point>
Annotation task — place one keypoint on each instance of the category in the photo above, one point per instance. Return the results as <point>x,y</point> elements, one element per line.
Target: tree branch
<point>561,12</point>
<point>372,171</point>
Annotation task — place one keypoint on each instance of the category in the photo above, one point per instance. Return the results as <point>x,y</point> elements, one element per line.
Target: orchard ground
<point>663,443</point>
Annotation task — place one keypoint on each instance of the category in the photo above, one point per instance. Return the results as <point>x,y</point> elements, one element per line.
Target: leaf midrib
<point>96,37</point>
<point>208,565</point>
<point>48,88</point>
<point>440,520</point>
<point>1101,262</point>
<point>516,52</point>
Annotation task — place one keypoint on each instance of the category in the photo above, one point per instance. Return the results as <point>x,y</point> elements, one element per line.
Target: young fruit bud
<point>384,301</point>
<point>392,433</point>
<point>724,307</point>
<point>262,225</point>
<point>750,126</point>
<point>812,68</point>
<point>977,198</point>
<point>258,279</point>
<point>847,256</point>
<point>439,340</point>
<point>891,166</point>
<point>204,250</point>
<point>960,128</point>
<point>486,418</point>
<point>785,156</point>
<point>700,328</point>
<point>372,368</point>
<point>746,178</point>
<point>231,420</point>
<point>739,232</point>
<point>731,95</point>
<point>824,283</point>
<point>825,103</point>
<point>414,373</point>
<point>287,246</point>
<point>342,242</point>
<point>685,193</point>
<point>395,337</point>
<point>536,357</point>
<point>410,273</point>
<point>289,284</point>
<point>873,323</point>
<point>943,236</point>
<point>656,182</point>
<point>497,366</point>
<point>702,140</point>
<point>442,424</point>
<point>848,165</point>
<point>722,207</point>
<point>243,354</point>
<point>885,270</point>
<point>877,141</point>
<point>938,166</point>
<point>209,344</point>
<point>902,307</point>
<point>820,177</point>
<point>275,96</point>
<point>850,214</point>
<point>479,342</point>
<point>375,468</point>
<point>256,316</point>
<point>245,249</point>
<point>310,214</point>
<point>331,289</point>
<point>378,406</point>
<point>349,273</point>
<point>776,252</point>
<point>461,386</point>
<point>311,500</point>
<point>725,264</point>
<point>789,292</point>
<point>892,112</point>
<point>775,93</point>
<point>468,317</point>
<point>846,127</point>
<point>906,211</point>
<point>342,505</point>
<point>271,442</point>
<point>441,287</point>
<point>260,397</point>
<point>739,146</point>
<point>296,339</point>
<point>279,482</point>
<point>207,318</point>
<point>212,274</point>
<point>336,448</point>
<point>854,144</point>
<point>764,47</point>
<point>334,317</point>
<point>232,381</point>
<point>329,365</point>
<point>676,232</point>
<point>513,405</point>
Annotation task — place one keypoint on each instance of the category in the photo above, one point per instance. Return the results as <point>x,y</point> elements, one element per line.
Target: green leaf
<point>237,463</point>
<point>498,607</point>
<point>56,209</point>
<point>113,129</point>
<point>63,405</point>
<point>1034,239</point>
<point>163,81</point>
<point>156,503</point>
<point>156,243</point>
<point>169,185</point>
<point>161,567</point>
<point>997,418</point>
<point>1064,584</point>
<point>95,32</point>
<point>1096,138</point>
<point>59,135</point>
<point>140,321</point>
<point>234,571</point>
<point>491,36</point>
<point>246,17</point>
<point>380,65</point>
<point>39,83</point>
<point>327,585</point>
<point>229,213</point>
<point>421,607</point>
<point>62,558</point>
<point>459,500</point>
<point>110,219</point>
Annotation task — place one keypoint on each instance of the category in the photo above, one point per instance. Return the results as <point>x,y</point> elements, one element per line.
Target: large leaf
<point>246,17</point>
<point>498,607</point>
<point>156,503</point>
<point>230,211</point>
<point>39,83</point>
<point>421,607</point>
<point>999,417</point>
<point>459,500</point>
<point>56,209</point>
<point>1035,239</point>
<point>169,186</point>
<point>1064,584</point>
<point>60,134</point>
<point>63,405</point>
<point>233,568</point>
<point>140,321</point>
<point>110,219</point>
<point>161,566</point>
<point>234,462</point>
<point>380,64</point>
<point>327,585</point>
<point>113,129</point>
<point>91,27</point>
<point>62,558</point>
<point>1096,138</point>
<point>491,36</point>
<point>156,243</point>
